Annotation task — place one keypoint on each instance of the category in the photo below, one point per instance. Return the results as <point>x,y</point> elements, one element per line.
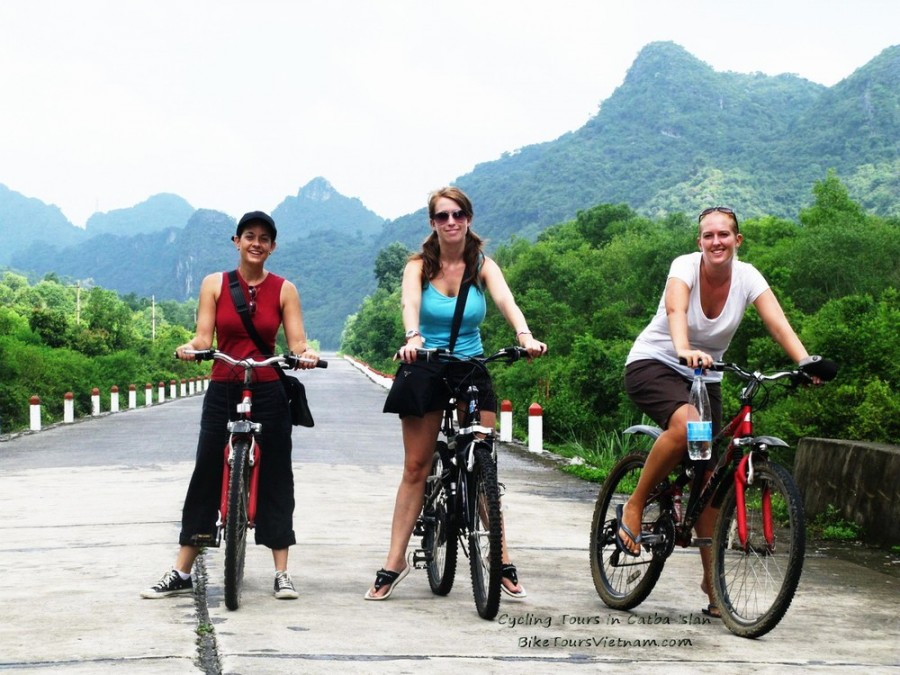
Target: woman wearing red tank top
<point>272,301</point>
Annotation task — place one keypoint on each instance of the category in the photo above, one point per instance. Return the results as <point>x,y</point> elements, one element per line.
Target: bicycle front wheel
<point>623,581</point>
<point>440,542</point>
<point>485,533</point>
<point>236,524</point>
<point>754,583</point>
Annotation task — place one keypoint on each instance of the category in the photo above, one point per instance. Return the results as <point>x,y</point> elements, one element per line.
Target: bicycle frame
<point>242,429</point>
<point>712,489</point>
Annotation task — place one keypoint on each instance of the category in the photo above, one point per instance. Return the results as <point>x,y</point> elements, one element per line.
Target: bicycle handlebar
<point>508,354</point>
<point>283,360</point>
<point>810,367</point>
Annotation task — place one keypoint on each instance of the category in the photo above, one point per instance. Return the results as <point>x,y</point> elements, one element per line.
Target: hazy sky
<point>236,105</point>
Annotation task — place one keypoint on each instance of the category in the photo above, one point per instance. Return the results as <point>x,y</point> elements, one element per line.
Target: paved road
<point>91,516</point>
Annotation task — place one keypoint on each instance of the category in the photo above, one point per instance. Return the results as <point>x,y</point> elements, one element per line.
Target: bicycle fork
<point>743,476</point>
<point>253,460</point>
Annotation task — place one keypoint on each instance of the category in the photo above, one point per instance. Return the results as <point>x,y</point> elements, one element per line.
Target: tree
<point>51,325</point>
<point>389,265</point>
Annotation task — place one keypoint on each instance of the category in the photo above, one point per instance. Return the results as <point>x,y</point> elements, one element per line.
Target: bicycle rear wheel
<point>440,539</point>
<point>755,584</point>
<point>485,533</point>
<point>623,581</point>
<point>236,524</point>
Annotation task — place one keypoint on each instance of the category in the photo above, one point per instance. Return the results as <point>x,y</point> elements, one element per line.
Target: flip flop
<point>712,611</point>
<point>620,543</point>
<point>385,577</point>
<point>508,571</point>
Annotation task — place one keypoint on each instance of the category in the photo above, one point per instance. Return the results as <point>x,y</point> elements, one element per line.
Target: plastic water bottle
<point>699,427</point>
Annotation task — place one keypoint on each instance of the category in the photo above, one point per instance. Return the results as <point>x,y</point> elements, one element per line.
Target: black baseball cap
<point>256,217</point>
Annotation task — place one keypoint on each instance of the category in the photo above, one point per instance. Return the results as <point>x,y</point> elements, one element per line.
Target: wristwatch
<point>410,334</point>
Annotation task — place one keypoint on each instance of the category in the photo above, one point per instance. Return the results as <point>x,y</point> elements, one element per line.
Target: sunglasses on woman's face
<point>442,217</point>
<point>251,306</point>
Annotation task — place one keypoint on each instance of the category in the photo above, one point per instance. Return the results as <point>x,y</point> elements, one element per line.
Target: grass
<point>593,462</point>
<point>829,525</point>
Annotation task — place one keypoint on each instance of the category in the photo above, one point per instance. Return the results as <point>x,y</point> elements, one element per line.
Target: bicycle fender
<point>769,440</point>
<point>647,429</point>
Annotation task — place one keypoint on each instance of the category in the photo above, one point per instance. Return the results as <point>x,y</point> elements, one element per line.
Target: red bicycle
<point>240,475</point>
<point>758,542</point>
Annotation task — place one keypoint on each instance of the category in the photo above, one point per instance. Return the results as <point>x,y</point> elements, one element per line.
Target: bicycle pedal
<point>420,558</point>
<point>701,542</point>
<point>419,530</point>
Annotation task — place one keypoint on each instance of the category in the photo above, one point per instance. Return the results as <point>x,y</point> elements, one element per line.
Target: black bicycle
<point>758,541</point>
<point>462,495</point>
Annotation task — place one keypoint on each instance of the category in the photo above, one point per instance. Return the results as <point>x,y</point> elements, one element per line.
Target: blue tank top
<point>436,318</point>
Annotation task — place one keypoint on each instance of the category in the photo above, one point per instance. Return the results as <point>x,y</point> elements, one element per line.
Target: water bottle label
<point>699,431</point>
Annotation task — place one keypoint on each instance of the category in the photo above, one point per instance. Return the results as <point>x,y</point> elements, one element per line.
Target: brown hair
<point>431,248</point>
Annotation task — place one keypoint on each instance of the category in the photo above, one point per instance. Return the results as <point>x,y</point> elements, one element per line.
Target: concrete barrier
<point>861,480</point>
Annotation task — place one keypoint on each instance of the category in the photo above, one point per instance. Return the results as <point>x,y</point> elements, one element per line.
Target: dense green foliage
<point>57,337</point>
<point>588,287</point>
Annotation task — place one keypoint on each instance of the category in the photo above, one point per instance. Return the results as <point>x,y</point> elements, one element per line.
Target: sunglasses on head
<point>444,216</point>
<point>251,306</point>
<point>720,209</point>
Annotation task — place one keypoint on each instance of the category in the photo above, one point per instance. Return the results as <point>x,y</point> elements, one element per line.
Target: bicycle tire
<point>485,533</point>
<point>236,524</point>
<point>622,581</point>
<point>754,586</point>
<point>440,538</point>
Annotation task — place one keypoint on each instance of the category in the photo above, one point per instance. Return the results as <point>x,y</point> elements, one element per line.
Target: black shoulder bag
<point>420,387</point>
<point>301,415</point>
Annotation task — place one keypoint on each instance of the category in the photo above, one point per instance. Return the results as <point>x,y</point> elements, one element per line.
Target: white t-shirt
<point>709,335</point>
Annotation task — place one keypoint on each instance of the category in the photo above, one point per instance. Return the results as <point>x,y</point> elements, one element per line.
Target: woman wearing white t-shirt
<point>704,301</point>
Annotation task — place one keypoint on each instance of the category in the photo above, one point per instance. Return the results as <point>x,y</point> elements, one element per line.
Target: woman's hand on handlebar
<point>407,353</point>
<point>694,358</point>
<point>181,352</point>
<point>309,359</point>
<point>534,347</point>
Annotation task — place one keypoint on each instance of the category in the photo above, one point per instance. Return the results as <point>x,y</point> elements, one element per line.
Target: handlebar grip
<point>816,366</point>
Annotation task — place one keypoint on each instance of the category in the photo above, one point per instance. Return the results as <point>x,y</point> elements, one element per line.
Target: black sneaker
<point>171,583</point>
<point>284,587</point>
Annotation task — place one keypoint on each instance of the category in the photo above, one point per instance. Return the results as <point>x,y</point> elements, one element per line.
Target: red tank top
<point>232,337</point>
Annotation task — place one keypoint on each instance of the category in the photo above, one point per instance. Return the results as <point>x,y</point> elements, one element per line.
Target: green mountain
<point>318,207</point>
<point>676,136</point>
<point>156,213</point>
<point>25,221</point>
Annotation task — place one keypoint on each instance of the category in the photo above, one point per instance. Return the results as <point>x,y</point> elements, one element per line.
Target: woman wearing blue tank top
<point>431,281</point>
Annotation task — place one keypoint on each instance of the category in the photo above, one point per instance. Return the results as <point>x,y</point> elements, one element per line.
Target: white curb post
<point>161,397</point>
<point>506,421</point>
<point>132,397</point>
<point>95,401</point>
<point>183,388</point>
<point>35,413</point>
<point>69,408</point>
<point>172,391</point>
<point>192,385</point>
<point>535,428</point>
<point>148,395</point>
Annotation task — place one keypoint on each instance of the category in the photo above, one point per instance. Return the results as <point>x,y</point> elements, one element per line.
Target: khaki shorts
<point>658,391</point>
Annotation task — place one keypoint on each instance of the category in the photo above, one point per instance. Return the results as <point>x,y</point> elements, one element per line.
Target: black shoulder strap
<point>458,312</point>
<point>240,304</point>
